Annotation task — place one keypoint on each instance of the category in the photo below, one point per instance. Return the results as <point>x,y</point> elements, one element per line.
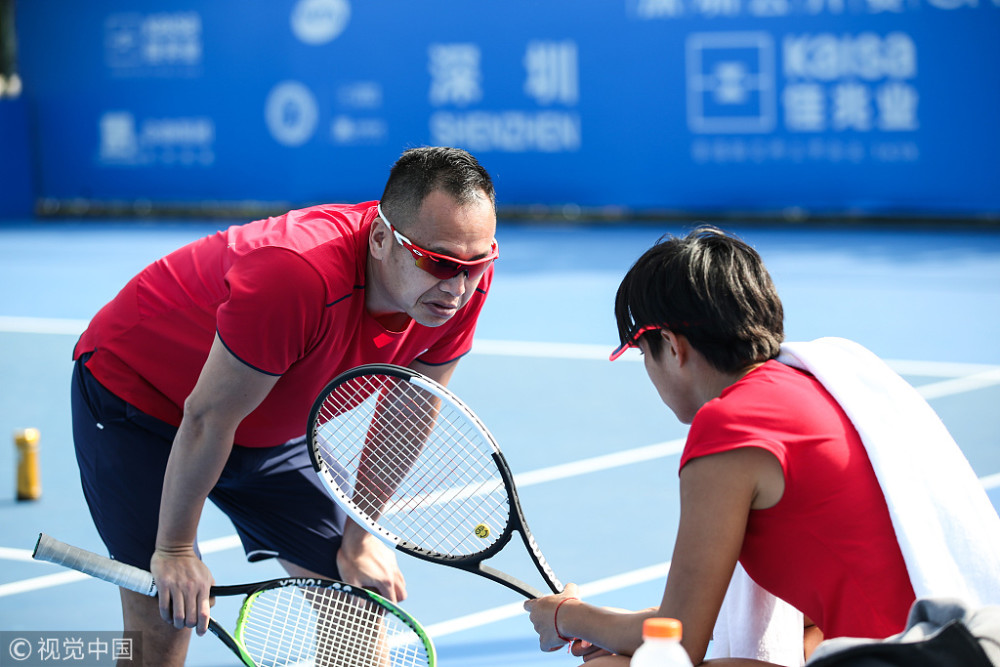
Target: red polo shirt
<point>828,547</point>
<point>285,295</point>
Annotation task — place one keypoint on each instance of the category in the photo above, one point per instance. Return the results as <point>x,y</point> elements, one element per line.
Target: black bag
<point>940,632</point>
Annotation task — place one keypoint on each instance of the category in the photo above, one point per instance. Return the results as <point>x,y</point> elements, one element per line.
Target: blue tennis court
<point>593,449</point>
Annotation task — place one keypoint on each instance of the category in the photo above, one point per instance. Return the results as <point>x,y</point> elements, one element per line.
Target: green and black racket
<point>417,468</point>
<point>293,621</point>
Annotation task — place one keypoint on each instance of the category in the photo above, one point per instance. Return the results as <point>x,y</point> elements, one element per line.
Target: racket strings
<point>328,627</point>
<point>449,489</point>
<point>460,481</point>
<point>443,475</point>
<point>448,472</point>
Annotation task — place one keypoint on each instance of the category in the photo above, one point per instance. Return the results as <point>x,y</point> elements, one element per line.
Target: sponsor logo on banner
<point>676,10</point>
<point>291,113</point>
<point>348,130</point>
<point>164,43</point>
<point>360,95</point>
<point>184,142</point>
<point>731,82</point>
<point>317,22</point>
<point>356,121</point>
<point>820,97</point>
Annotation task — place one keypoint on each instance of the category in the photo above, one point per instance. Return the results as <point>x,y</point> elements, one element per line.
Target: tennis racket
<point>295,621</point>
<point>418,469</point>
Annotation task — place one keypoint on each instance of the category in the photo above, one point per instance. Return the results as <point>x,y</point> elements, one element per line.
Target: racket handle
<point>124,575</point>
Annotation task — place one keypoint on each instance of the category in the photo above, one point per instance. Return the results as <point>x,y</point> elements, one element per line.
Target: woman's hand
<point>543,613</point>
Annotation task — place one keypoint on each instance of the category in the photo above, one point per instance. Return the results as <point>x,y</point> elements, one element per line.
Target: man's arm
<point>439,373</point>
<point>227,391</point>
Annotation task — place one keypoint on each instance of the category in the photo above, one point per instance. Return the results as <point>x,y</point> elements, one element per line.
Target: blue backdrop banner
<point>884,107</point>
<point>16,188</point>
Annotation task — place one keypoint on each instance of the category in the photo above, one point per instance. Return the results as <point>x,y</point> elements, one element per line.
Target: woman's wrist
<point>555,620</point>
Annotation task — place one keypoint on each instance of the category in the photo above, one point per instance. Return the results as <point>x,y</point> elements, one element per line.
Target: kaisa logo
<point>291,113</point>
<point>730,82</point>
<point>317,22</point>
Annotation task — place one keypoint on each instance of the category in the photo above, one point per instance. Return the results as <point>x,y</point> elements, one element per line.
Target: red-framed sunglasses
<point>441,266</point>
<point>633,340</point>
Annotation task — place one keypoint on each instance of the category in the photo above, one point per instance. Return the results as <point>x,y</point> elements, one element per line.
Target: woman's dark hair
<point>420,171</point>
<point>710,287</point>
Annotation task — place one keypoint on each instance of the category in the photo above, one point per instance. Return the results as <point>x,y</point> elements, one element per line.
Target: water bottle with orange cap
<point>661,645</point>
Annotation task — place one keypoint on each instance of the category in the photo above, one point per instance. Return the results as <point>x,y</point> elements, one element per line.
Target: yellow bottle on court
<point>29,478</point>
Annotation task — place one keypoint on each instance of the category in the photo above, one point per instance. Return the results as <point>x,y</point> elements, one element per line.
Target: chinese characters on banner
<point>545,119</point>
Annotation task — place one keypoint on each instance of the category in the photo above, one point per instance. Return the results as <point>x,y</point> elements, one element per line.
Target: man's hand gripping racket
<point>286,621</point>
<point>415,466</point>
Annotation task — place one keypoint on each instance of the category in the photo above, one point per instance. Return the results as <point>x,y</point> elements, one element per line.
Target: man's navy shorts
<point>272,495</point>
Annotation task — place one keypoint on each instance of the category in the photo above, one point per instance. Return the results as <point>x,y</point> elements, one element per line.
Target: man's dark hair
<point>711,287</point>
<point>420,171</point>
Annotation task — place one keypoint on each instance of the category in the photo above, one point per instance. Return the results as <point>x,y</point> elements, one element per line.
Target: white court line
<point>517,348</point>
<point>530,349</point>
<point>944,369</point>
<point>960,385</point>
<point>7,553</point>
<point>542,475</point>
<point>39,583</point>
<point>990,482</point>
<point>42,325</point>
<point>588,352</point>
<point>596,463</point>
<point>503,612</point>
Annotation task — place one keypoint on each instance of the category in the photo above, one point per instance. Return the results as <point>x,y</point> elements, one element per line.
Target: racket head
<point>319,621</point>
<point>454,502</point>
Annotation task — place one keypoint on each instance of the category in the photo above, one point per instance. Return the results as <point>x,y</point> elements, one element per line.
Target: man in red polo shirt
<point>196,380</point>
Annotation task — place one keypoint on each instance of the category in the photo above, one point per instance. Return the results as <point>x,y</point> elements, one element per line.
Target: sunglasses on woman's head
<point>441,266</point>
<point>633,340</point>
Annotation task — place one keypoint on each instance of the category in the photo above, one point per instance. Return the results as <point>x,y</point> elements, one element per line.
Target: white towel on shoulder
<point>947,529</point>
